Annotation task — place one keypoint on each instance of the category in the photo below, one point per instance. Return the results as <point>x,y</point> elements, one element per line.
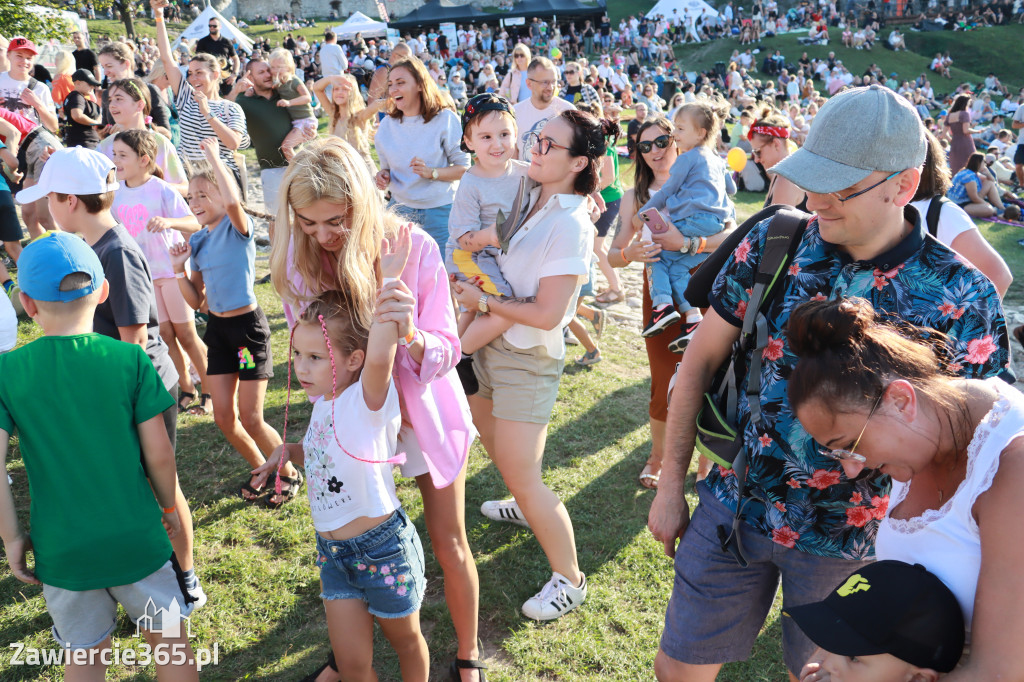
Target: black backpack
<point>935,205</point>
<point>719,433</point>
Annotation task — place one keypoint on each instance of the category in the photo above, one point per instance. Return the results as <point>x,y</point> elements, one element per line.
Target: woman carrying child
<point>368,551</point>
<point>334,234</point>
<point>237,335</point>
<point>202,113</point>
<point>951,445</point>
<point>156,216</point>
<point>547,261</point>
<point>697,204</point>
<point>419,146</point>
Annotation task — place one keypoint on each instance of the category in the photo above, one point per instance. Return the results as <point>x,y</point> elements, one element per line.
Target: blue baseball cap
<point>48,259</point>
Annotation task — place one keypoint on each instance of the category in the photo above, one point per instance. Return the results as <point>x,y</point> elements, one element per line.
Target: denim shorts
<point>434,221</point>
<point>718,608</point>
<point>700,224</point>
<point>383,567</point>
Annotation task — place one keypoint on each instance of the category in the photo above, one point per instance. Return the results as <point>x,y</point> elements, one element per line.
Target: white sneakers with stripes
<point>555,599</point>
<point>504,510</point>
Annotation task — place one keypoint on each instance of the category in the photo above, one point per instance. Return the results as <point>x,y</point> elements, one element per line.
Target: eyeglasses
<point>543,145</point>
<point>543,84</point>
<point>660,142</point>
<point>519,56</point>
<point>841,454</point>
<point>843,200</point>
<point>755,152</point>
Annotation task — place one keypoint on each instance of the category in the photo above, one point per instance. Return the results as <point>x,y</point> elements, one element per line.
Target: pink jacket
<point>433,401</point>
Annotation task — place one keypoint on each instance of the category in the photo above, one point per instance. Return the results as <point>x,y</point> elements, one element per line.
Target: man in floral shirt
<point>804,522</point>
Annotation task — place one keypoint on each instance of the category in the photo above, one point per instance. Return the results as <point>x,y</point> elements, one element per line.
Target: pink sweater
<point>433,401</point>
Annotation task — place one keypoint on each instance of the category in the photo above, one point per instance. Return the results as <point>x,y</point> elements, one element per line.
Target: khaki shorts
<point>522,383</point>
<point>34,152</point>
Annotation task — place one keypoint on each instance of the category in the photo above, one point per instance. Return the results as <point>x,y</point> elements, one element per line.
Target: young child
<point>888,622</point>
<point>106,544</point>
<point>129,312</point>
<point>296,97</point>
<point>155,215</point>
<point>370,557</point>
<point>490,185</point>
<point>695,200</point>
<point>239,363</point>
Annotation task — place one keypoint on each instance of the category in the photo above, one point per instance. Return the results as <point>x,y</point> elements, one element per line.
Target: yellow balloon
<point>737,159</point>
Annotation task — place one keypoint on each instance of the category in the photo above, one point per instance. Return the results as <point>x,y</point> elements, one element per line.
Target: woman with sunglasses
<point>952,447</point>
<point>769,144</point>
<point>653,157</point>
<point>513,86</point>
<point>547,261</point>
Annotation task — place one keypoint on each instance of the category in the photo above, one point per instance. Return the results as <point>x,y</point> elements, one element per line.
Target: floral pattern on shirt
<point>795,495</point>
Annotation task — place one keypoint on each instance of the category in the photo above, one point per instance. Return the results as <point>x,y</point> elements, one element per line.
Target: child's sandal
<point>185,399</point>
<point>287,494</point>
<point>205,406</point>
<point>256,493</point>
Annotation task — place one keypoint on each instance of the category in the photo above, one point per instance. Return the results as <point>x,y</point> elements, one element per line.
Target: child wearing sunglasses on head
<point>888,622</point>
<point>697,204</point>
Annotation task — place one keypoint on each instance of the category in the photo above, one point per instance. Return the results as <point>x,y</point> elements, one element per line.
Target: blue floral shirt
<point>795,495</point>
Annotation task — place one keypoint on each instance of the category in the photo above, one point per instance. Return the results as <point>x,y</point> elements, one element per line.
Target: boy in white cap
<point>99,530</point>
<point>800,521</point>
<point>78,185</point>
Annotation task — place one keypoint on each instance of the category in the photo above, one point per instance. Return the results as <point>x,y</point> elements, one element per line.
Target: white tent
<point>360,23</point>
<point>696,8</point>
<point>200,28</point>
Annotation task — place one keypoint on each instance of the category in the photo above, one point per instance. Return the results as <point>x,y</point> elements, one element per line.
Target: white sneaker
<point>504,510</point>
<point>198,594</point>
<point>555,599</point>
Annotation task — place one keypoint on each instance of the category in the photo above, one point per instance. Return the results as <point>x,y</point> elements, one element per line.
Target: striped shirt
<point>195,128</point>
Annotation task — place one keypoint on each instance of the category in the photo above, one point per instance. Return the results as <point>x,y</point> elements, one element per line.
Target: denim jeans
<point>434,221</point>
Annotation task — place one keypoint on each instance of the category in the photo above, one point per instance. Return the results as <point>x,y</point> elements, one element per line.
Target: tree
<point>123,8</point>
<point>17,20</point>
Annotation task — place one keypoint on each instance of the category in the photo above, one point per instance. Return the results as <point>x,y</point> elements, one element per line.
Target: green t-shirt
<point>614,191</point>
<point>268,125</point>
<point>76,401</point>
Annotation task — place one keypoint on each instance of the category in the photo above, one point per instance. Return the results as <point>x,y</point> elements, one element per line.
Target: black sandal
<point>331,663</point>
<point>256,493</point>
<point>204,408</point>
<point>462,663</point>
<point>185,400</point>
<point>287,495</point>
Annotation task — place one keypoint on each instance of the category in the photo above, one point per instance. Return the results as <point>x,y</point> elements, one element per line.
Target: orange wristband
<point>703,243</point>
<point>409,338</point>
<point>169,510</point>
<point>622,252</point>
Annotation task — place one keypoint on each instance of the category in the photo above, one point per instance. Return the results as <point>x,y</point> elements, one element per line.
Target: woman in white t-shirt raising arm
<point>547,261</point>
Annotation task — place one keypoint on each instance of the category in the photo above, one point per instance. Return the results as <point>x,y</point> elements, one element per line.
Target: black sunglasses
<point>660,142</point>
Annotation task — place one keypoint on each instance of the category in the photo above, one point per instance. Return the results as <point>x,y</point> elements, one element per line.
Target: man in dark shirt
<point>85,58</point>
<point>82,113</point>
<point>268,124</point>
<point>219,46</point>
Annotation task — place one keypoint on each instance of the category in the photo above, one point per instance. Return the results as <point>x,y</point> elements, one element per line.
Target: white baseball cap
<point>75,170</point>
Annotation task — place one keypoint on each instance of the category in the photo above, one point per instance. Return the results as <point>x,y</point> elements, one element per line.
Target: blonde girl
<point>333,225</point>
<point>156,216</point>
<point>513,86</point>
<point>239,360</point>
<point>295,97</point>
<point>348,116</point>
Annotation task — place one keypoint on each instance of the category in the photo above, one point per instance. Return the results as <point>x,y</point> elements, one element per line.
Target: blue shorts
<point>718,608</point>
<point>383,567</point>
<point>434,221</point>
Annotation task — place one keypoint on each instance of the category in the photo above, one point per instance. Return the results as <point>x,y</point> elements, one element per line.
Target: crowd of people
<point>436,248</point>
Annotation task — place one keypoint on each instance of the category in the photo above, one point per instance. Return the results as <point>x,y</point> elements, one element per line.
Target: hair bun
<point>819,327</point>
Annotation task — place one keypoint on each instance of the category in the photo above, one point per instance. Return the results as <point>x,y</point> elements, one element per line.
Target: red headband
<point>770,131</point>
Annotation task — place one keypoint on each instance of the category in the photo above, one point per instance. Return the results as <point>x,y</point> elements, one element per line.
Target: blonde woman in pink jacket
<point>329,231</point>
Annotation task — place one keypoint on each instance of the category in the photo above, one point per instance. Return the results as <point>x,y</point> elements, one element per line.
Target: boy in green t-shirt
<point>96,527</point>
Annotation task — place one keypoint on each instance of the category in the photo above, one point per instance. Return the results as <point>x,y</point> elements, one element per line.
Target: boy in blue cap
<point>99,539</point>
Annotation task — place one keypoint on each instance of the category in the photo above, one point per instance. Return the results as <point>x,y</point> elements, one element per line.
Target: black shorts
<point>1018,156</point>
<point>10,226</point>
<point>607,218</point>
<point>239,345</point>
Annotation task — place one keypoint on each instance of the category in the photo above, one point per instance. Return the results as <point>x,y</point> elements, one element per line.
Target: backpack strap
<point>784,234</point>
<point>932,216</point>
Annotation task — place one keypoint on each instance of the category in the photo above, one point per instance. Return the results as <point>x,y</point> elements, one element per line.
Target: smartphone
<point>655,222</point>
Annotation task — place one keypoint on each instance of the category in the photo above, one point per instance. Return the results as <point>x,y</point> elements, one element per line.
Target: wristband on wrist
<point>179,275</point>
<point>169,510</point>
<point>622,252</point>
<point>703,243</point>
<point>409,338</point>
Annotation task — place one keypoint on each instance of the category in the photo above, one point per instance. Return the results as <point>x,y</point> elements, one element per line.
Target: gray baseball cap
<point>857,132</point>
